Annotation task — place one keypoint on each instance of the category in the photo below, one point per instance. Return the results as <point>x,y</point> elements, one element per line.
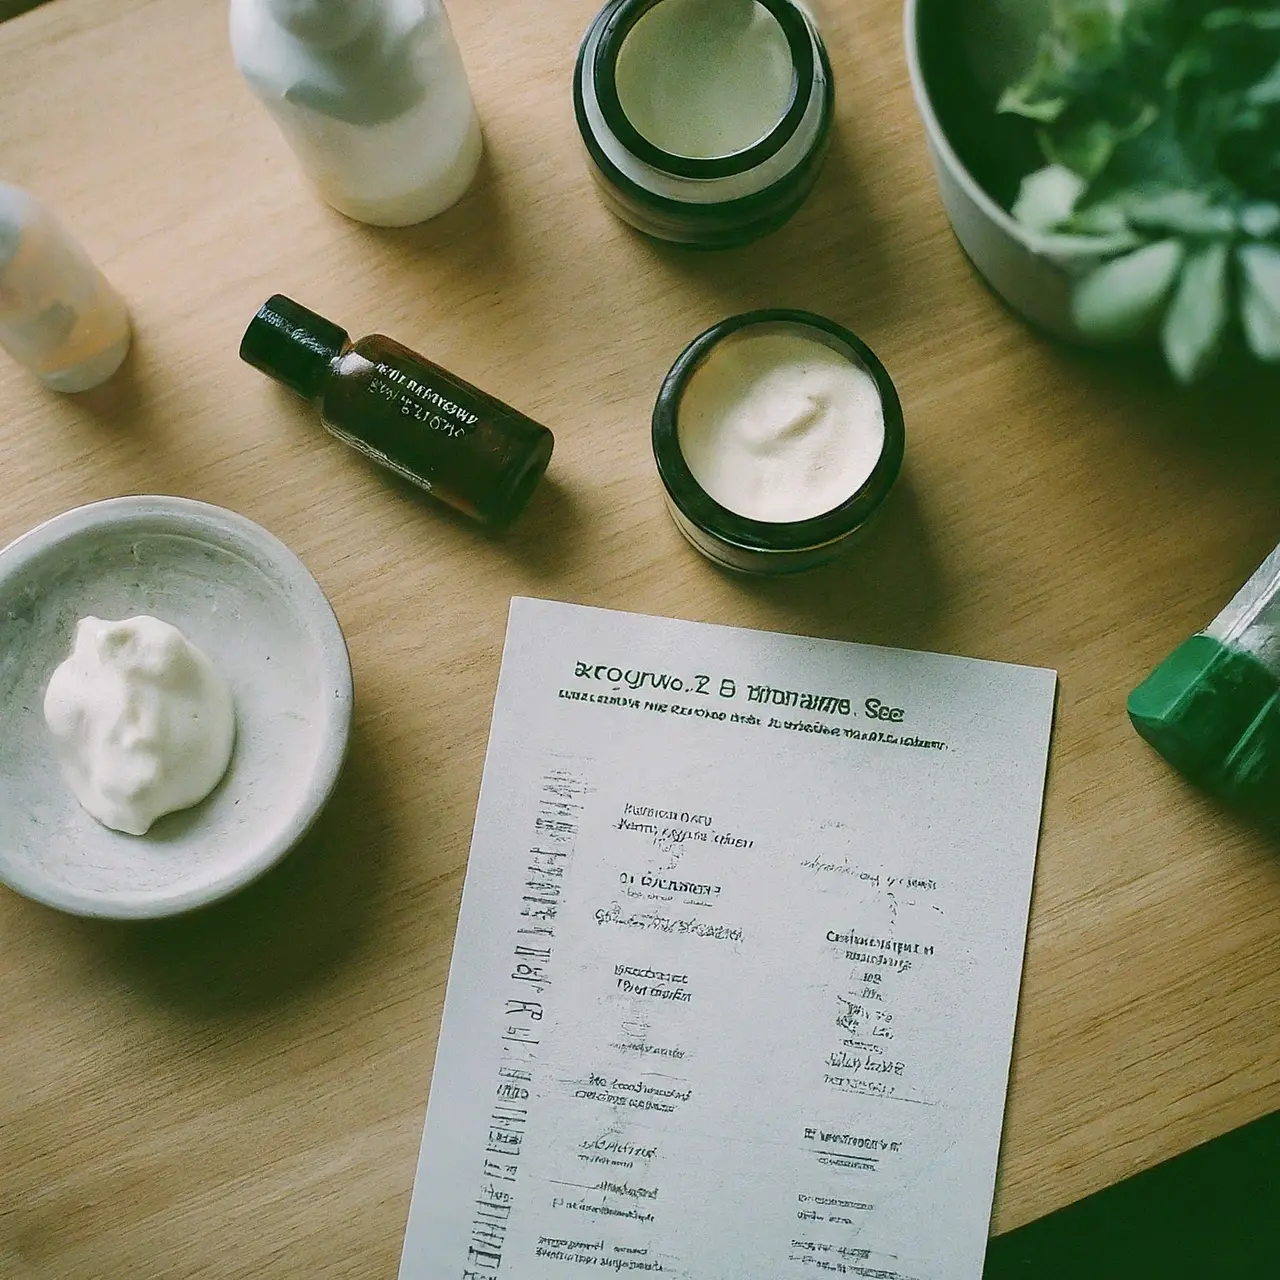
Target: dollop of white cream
<point>144,724</point>
<point>778,426</point>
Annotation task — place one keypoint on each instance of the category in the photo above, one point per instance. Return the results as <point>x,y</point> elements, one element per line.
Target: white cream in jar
<point>143,723</point>
<point>777,435</point>
<point>705,78</point>
<point>705,122</point>
<point>778,427</point>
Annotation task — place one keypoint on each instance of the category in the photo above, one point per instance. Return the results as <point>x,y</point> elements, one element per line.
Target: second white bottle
<point>371,95</point>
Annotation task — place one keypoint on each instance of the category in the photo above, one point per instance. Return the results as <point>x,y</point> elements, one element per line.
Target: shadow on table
<point>474,239</point>
<point>540,540</point>
<point>1211,1214</point>
<point>888,590</point>
<point>279,935</point>
<point>543,538</point>
<point>1226,421</point>
<point>829,258</point>
<point>116,404</point>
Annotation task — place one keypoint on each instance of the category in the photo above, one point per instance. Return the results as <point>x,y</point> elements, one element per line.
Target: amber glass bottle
<point>409,415</point>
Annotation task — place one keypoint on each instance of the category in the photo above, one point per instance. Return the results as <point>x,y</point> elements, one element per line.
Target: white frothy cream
<point>144,724</point>
<point>705,78</point>
<point>777,426</point>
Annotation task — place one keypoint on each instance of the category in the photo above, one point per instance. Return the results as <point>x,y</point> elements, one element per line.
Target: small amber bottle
<point>409,415</point>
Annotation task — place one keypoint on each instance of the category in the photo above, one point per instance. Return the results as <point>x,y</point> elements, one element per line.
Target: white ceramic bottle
<point>371,95</point>
<point>59,316</point>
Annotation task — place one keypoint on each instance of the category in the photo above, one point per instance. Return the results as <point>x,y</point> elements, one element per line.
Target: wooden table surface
<point>240,1094</point>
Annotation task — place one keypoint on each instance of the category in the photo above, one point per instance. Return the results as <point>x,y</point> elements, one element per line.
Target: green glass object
<point>1212,707</point>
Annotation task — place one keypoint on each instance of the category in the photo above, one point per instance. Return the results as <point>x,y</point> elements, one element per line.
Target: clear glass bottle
<point>1212,708</point>
<point>59,315</point>
<point>372,97</point>
<point>403,411</point>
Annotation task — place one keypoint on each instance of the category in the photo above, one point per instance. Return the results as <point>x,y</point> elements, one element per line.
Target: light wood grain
<point>240,1094</point>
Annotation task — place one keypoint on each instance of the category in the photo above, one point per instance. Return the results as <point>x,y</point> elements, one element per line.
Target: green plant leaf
<point>1260,219</point>
<point>1169,112</point>
<point>999,40</point>
<point>1032,103</point>
<point>1266,93</point>
<point>1260,299</point>
<point>1047,197</point>
<point>1248,120</point>
<point>1193,60</point>
<point>1079,255</point>
<point>1258,19</point>
<point>1091,28</point>
<point>1082,36</point>
<point>1085,150</point>
<point>1122,298</point>
<point>1188,213</point>
<point>1106,218</point>
<point>1042,93</point>
<point>1196,320</point>
<point>1155,159</point>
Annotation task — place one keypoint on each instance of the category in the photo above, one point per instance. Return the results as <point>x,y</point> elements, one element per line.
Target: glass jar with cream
<point>706,121</point>
<point>777,434</point>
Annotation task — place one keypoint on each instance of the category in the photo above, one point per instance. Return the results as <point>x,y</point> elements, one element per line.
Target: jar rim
<point>622,21</point>
<point>743,532</point>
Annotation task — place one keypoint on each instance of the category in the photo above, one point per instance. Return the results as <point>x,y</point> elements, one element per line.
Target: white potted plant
<point>1112,167</point>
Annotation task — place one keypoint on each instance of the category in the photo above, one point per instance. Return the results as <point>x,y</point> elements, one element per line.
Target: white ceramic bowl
<point>244,598</point>
<point>1033,284</point>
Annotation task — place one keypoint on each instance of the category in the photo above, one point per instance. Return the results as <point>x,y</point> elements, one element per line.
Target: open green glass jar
<point>777,435</point>
<point>706,123</point>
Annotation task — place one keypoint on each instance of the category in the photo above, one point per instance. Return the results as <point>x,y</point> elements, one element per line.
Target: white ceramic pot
<point>1034,285</point>
<point>246,600</point>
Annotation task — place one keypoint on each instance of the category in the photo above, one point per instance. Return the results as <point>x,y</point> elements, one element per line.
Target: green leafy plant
<point>1159,121</point>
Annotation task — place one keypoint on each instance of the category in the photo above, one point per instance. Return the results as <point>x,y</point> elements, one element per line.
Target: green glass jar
<point>706,124</point>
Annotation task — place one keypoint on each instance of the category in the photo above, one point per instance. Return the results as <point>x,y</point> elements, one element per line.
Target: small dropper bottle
<point>404,412</point>
<point>59,316</point>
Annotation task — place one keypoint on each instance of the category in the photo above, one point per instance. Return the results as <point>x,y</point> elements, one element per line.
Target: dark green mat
<point>1211,1214</point>
<point>11,8</point>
